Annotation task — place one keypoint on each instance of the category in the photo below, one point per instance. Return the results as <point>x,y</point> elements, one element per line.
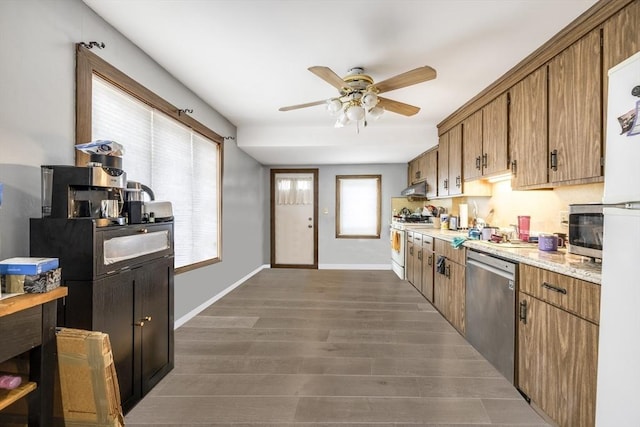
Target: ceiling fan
<point>358,94</point>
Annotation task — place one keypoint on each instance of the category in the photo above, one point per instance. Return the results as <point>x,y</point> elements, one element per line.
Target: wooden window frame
<point>89,64</point>
<point>378,210</point>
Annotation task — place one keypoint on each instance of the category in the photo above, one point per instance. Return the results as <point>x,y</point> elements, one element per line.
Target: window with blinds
<point>358,206</point>
<point>180,165</point>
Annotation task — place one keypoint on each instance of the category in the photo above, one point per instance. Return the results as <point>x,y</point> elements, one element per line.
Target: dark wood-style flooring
<point>328,348</point>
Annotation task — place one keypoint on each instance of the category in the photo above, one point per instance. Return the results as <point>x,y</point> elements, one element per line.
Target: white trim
<point>354,266</point>
<point>193,313</point>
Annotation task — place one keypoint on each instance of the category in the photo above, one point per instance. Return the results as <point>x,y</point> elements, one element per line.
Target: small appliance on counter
<point>93,191</point>
<point>134,201</point>
<point>158,211</point>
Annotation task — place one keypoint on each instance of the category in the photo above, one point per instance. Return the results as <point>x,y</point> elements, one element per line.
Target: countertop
<point>557,261</point>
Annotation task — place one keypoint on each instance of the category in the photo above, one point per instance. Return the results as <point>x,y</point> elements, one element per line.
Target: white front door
<point>294,234</point>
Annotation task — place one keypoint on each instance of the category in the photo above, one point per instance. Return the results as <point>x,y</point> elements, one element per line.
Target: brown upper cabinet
<point>450,162</point>
<point>495,154</point>
<point>417,169</point>
<point>431,174</point>
<point>472,138</point>
<point>555,104</point>
<point>620,40</point>
<point>575,112</point>
<point>485,140</point>
<point>528,131</point>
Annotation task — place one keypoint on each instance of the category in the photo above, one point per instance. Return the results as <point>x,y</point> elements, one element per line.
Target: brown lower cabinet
<point>428,265</point>
<point>448,283</point>
<point>558,345</point>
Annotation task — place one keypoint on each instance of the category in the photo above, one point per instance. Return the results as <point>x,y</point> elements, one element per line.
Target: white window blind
<point>358,206</point>
<point>180,166</point>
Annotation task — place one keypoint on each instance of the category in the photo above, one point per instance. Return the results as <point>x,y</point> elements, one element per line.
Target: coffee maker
<point>134,201</point>
<point>94,191</point>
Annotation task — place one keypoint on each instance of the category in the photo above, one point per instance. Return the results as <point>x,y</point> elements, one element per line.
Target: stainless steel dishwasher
<point>490,309</point>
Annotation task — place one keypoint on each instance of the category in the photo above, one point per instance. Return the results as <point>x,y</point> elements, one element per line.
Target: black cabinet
<point>120,281</point>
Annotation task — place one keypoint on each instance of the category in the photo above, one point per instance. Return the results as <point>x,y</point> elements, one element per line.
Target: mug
<point>562,239</point>
<point>549,242</point>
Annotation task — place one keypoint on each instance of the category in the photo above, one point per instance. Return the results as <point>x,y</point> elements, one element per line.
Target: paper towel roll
<point>464,216</point>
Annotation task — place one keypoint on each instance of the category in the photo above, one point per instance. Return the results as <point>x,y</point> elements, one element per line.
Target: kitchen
<point>241,260</point>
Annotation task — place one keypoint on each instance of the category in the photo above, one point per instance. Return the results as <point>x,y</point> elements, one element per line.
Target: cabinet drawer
<point>427,243</point>
<point>443,247</point>
<point>120,248</point>
<point>20,331</point>
<point>410,236</point>
<point>571,294</point>
<point>417,239</point>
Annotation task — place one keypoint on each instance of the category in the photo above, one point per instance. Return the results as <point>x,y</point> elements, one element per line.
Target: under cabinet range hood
<point>416,190</point>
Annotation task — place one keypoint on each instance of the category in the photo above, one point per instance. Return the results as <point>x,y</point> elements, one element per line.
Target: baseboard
<point>354,266</point>
<point>193,313</point>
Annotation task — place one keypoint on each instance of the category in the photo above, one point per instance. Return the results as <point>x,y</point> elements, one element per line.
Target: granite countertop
<point>527,253</point>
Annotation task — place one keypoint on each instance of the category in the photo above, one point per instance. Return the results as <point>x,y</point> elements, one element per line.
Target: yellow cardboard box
<point>88,383</point>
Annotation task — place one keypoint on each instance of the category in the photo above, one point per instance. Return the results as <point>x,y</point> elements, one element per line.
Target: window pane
<point>117,116</point>
<point>180,165</point>
<point>358,206</point>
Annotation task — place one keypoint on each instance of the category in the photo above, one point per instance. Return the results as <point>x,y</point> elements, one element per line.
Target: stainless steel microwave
<point>586,224</point>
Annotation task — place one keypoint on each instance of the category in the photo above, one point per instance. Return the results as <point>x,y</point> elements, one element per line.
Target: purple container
<point>548,242</point>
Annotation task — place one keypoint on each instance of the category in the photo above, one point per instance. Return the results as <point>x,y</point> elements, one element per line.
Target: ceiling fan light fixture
<point>369,99</point>
<point>375,112</point>
<point>334,105</point>
<point>355,112</point>
<point>342,120</point>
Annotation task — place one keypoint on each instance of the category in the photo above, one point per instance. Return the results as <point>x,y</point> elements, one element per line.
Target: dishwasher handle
<point>492,269</point>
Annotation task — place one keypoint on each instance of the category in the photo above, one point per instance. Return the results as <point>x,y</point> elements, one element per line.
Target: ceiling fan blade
<point>308,104</point>
<point>397,107</point>
<point>327,74</point>
<point>419,75</point>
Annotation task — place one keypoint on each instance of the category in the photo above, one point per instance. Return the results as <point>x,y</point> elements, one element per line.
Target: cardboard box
<point>28,265</point>
<point>37,283</point>
<point>88,383</point>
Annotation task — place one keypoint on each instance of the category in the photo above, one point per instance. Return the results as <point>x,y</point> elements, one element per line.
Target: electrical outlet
<point>564,218</point>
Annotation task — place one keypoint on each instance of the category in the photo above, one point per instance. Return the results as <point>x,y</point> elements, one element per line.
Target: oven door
<point>397,240</point>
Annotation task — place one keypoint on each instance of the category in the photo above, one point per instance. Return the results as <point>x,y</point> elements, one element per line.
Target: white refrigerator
<point>618,399</point>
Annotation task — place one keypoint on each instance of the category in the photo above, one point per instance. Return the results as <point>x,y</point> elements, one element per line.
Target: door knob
<point>309,226</point>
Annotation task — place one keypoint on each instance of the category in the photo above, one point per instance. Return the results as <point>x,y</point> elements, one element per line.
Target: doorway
<point>294,218</point>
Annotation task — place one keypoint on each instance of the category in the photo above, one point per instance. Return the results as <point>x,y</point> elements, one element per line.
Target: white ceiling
<point>247,58</point>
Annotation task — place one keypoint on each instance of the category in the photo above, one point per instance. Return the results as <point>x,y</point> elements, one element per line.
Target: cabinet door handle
<point>554,288</point>
<point>523,311</point>
<point>430,260</point>
<point>446,183</point>
<point>420,255</point>
<point>478,163</point>
<point>458,181</point>
<point>447,271</point>
<point>418,173</point>
<point>144,319</point>
<point>143,230</point>
<point>411,250</point>
<point>484,160</point>
<point>553,160</point>
<point>514,167</point>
